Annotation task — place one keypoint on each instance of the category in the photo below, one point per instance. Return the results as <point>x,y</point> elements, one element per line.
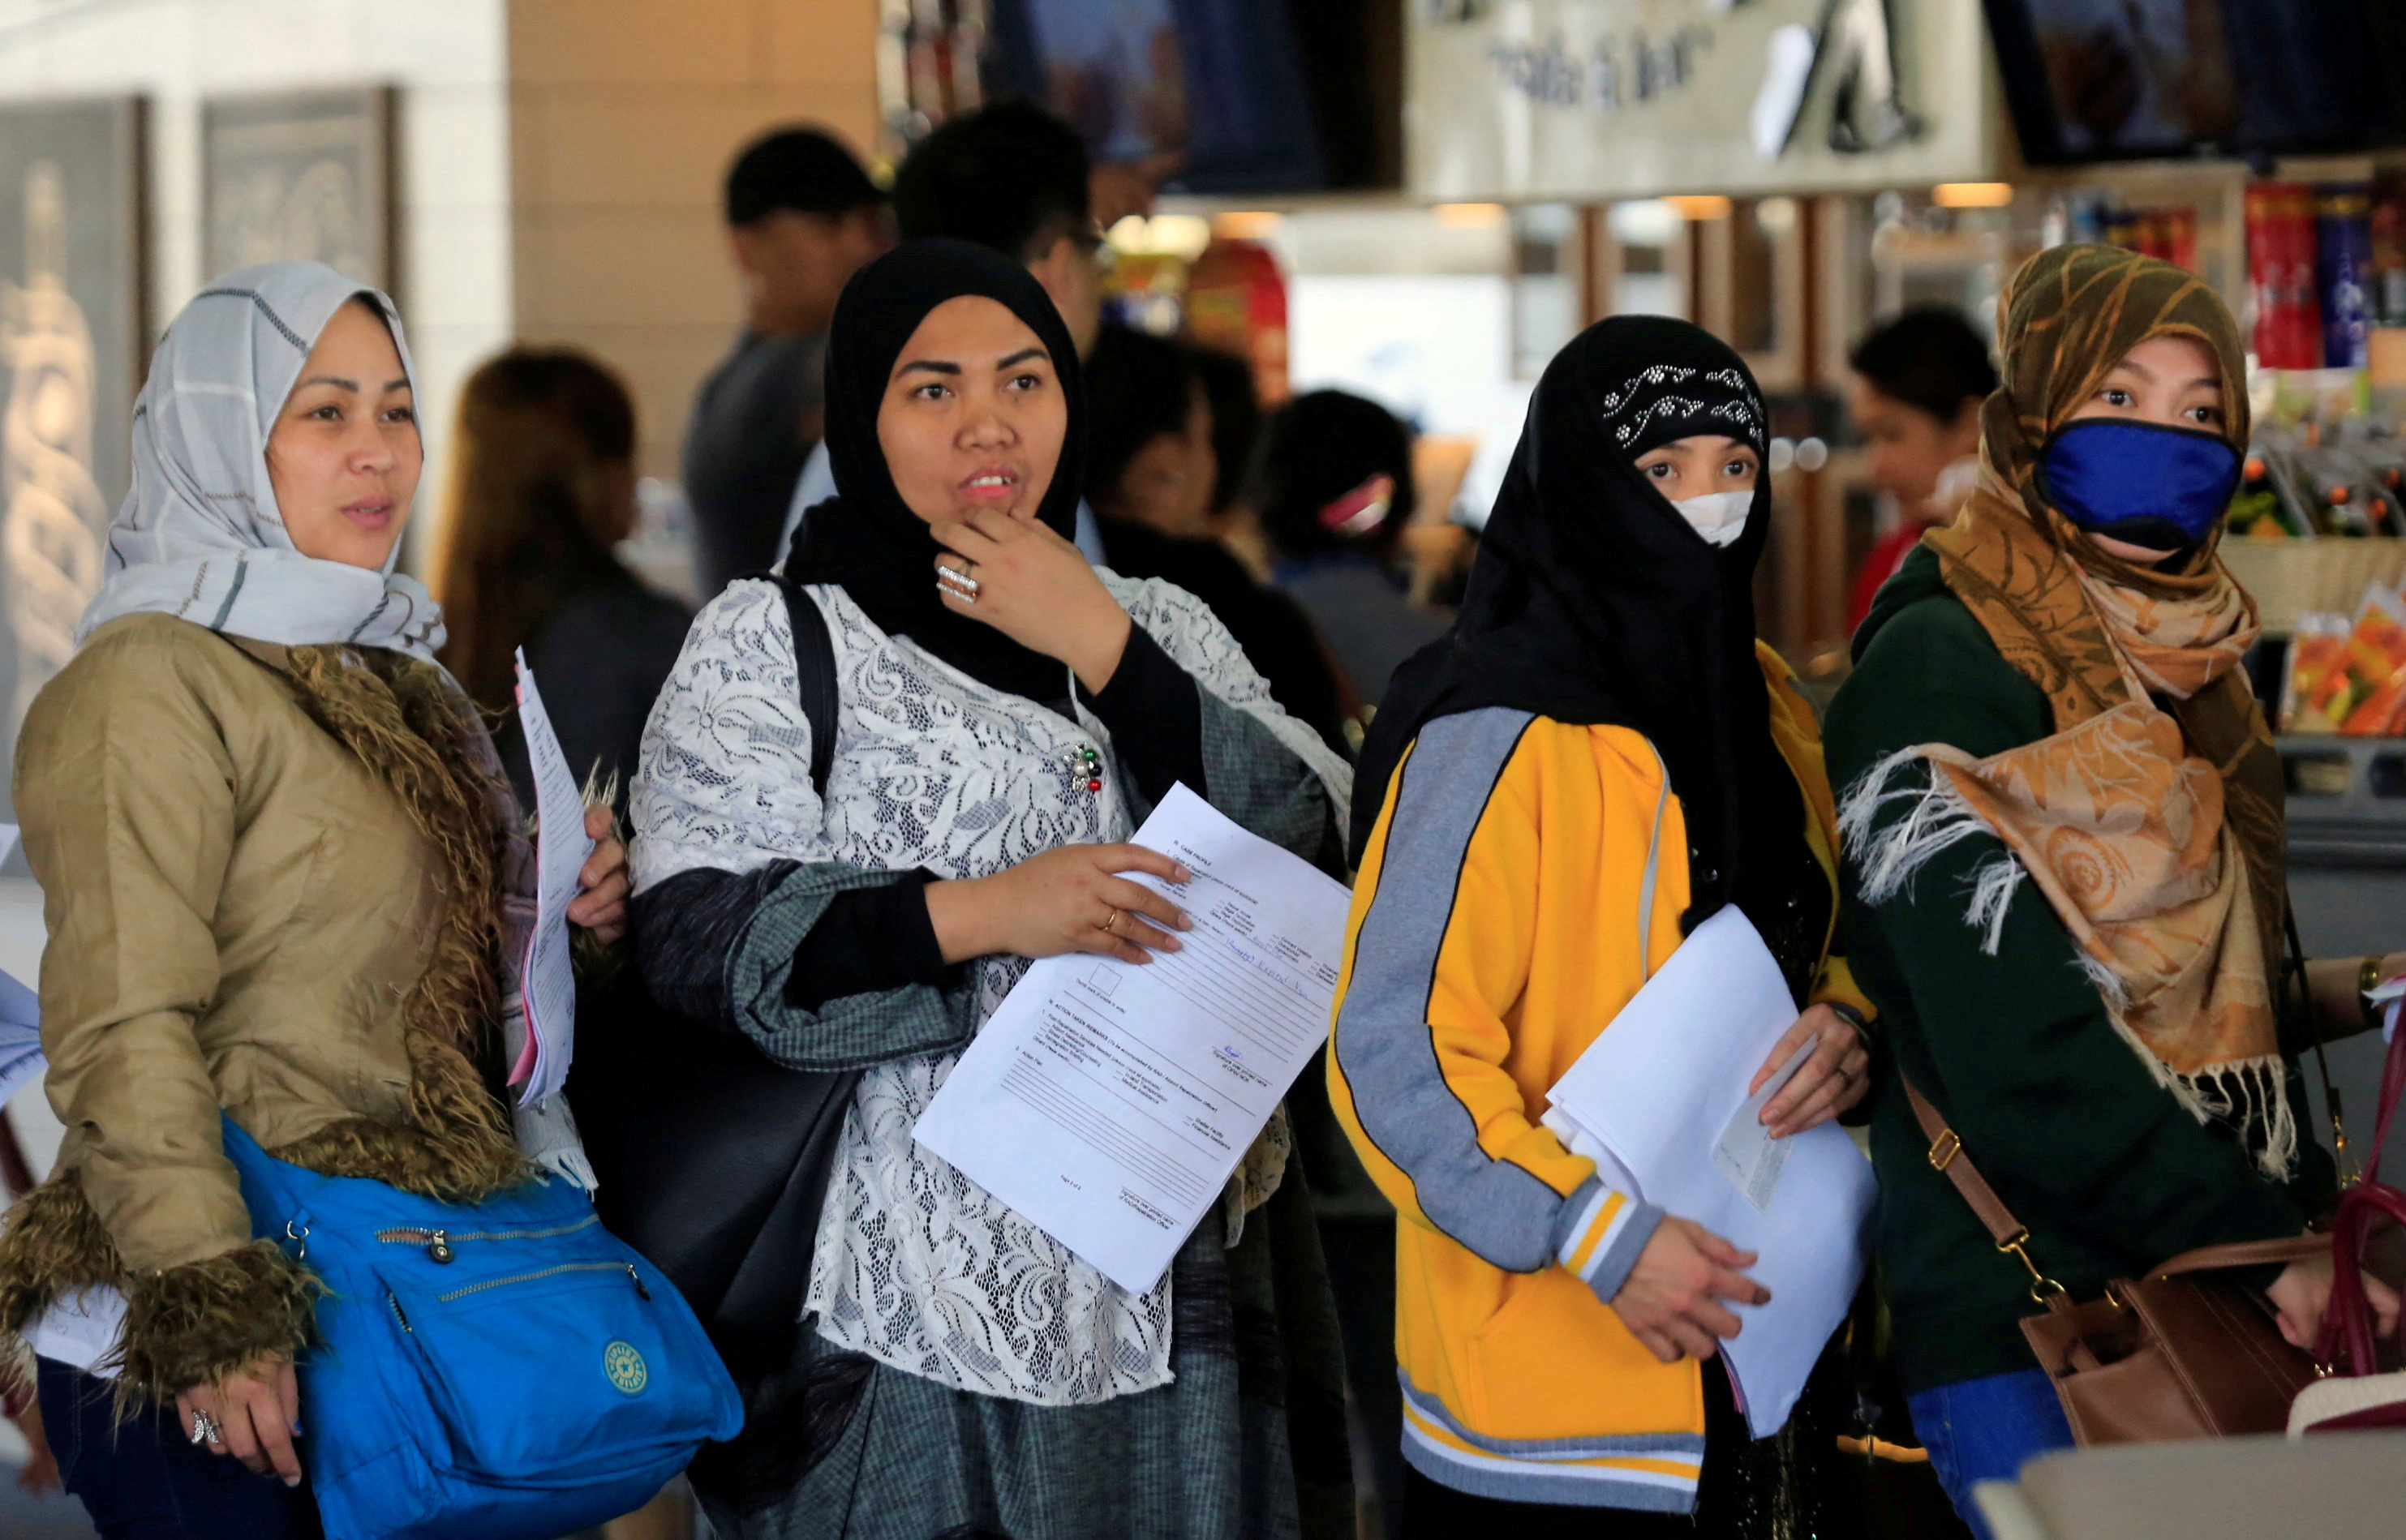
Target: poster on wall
<point>300,175</point>
<point>1593,99</point>
<point>71,343</point>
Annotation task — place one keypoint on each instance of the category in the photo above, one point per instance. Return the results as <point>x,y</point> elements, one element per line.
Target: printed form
<point>1110,1102</point>
<point>547,981</point>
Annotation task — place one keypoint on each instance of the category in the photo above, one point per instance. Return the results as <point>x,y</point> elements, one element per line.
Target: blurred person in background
<point>543,485</point>
<point>1150,471</point>
<point>1227,383</point>
<point>1333,484</point>
<point>1918,384</point>
<point>801,218</point>
<point>1016,179</point>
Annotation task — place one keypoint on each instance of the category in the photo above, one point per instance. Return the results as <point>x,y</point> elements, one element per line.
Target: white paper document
<point>1661,1096</point>
<point>1109,1103</point>
<point>548,977</point>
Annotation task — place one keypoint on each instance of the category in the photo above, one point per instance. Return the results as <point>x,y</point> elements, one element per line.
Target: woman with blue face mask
<point>2063,825</point>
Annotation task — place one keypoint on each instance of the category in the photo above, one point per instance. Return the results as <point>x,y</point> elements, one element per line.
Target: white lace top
<point>915,1264</point>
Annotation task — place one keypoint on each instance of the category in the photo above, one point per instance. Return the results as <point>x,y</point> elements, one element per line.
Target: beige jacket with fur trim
<point>249,856</point>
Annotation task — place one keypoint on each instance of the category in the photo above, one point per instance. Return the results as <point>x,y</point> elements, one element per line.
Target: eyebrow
<point>339,383</point>
<point>1023,355</point>
<point>931,366</point>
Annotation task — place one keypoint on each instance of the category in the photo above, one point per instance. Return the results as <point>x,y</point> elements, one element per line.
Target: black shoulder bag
<point>714,1160</point>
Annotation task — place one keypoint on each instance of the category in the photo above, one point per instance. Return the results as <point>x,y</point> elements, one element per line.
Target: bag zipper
<point>627,1267</point>
<point>438,1242</point>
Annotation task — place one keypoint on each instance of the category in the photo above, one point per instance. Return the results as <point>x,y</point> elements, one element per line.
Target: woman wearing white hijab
<point>282,877</point>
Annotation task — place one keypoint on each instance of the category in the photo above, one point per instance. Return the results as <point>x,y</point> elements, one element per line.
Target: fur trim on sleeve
<point>196,1323</point>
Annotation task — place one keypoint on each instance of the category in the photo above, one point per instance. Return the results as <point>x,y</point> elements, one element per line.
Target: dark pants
<point>143,1479</point>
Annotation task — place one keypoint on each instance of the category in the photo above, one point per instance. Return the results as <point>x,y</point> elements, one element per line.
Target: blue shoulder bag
<point>506,1370</point>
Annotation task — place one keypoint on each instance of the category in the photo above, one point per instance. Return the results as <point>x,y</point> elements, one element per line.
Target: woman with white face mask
<point>1596,759</point>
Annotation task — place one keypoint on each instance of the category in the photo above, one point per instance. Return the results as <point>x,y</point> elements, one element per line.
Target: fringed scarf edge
<point>2251,1096</point>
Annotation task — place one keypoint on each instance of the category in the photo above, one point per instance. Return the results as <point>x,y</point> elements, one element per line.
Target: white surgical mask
<point>1718,516</point>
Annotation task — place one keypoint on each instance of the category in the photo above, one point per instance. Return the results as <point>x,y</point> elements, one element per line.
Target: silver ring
<point>204,1428</point>
<point>958,583</point>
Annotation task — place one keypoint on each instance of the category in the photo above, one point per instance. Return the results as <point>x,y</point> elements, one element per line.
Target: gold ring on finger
<point>1110,923</point>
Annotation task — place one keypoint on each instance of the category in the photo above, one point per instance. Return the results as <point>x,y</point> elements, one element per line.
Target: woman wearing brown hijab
<point>2065,837</point>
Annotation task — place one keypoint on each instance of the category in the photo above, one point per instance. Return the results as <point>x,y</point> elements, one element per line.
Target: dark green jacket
<point>2107,1170</point>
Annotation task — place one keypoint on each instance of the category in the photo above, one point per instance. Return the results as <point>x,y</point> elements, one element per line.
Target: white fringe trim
<point>1936,817</point>
<point>2108,982</point>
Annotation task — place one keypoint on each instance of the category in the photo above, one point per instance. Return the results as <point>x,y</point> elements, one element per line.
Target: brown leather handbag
<point>2179,1353</point>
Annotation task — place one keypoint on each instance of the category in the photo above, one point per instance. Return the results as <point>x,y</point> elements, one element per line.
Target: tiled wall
<point>624,115</point>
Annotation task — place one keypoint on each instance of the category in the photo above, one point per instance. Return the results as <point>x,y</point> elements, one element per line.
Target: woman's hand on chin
<point>1036,588</point>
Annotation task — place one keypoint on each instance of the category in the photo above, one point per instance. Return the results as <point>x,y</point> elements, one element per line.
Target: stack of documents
<point>547,980</point>
<point>1109,1103</point>
<point>1660,1102</point>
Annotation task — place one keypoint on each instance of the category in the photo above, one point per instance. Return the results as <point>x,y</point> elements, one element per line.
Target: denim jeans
<point>141,1479</point>
<point>1985,1430</point>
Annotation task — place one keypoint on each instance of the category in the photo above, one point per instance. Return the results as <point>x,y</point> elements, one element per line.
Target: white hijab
<point>199,536</point>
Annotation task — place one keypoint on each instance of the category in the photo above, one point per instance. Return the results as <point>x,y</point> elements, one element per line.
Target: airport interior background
<point>1416,201</point>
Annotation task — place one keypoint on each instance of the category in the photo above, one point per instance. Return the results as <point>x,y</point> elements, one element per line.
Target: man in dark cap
<point>802,217</point>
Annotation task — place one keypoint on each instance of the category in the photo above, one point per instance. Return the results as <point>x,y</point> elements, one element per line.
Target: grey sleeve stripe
<point>1501,1211</point>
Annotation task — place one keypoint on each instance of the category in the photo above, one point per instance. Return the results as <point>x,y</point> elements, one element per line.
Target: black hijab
<point>1594,602</point>
<point>866,538</point>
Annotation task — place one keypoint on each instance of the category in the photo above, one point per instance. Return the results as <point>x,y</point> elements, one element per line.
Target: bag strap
<point>2302,1003</point>
<point>814,671</point>
<point>2347,1321</point>
<point>2245,1253</point>
<point>2013,1237</point>
<point>2010,1234</point>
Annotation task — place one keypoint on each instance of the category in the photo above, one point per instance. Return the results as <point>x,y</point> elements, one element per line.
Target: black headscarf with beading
<point>866,538</point>
<point>1594,602</point>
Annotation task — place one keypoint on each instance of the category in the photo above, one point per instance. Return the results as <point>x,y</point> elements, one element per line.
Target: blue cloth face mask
<point>2161,488</point>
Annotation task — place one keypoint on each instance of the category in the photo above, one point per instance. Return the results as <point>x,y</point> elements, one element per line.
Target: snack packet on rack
<point>2315,648</point>
<point>2365,694</point>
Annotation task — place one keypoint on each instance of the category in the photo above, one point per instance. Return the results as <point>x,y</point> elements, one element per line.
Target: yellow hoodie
<point>1525,876</point>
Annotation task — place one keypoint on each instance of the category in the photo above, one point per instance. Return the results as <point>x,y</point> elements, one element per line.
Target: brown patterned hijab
<point>2152,818</point>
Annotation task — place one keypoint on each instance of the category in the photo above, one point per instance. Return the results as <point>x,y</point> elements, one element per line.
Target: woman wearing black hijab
<point>1598,758</point>
<point>1006,715</point>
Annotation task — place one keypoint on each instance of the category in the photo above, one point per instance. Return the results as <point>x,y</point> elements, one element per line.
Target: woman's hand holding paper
<point>1671,1301</point>
<point>1829,1083</point>
<point>1070,898</point>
